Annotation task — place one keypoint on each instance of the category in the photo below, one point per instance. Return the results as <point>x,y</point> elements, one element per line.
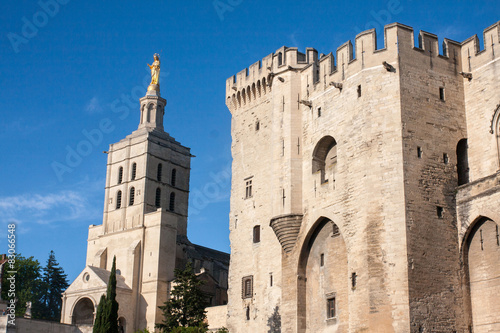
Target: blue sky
<point>63,67</point>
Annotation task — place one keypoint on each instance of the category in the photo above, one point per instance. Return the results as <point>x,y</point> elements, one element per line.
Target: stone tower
<point>144,224</point>
<point>348,172</point>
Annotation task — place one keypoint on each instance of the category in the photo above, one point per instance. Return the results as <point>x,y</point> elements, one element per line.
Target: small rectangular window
<point>330,308</point>
<point>441,93</point>
<point>271,279</point>
<point>439,211</point>
<point>445,158</point>
<point>359,91</point>
<point>419,152</point>
<point>256,234</point>
<point>322,260</point>
<point>248,189</point>
<point>247,287</point>
<point>319,112</point>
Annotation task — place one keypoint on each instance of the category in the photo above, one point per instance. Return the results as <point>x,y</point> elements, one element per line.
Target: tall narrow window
<point>319,112</point>
<point>247,287</point>
<point>441,93</point>
<point>171,205</point>
<point>134,171</point>
<point>330,308</point>
<point>248,189</point>
<point>322,260</point>
<point>119,199</point>
<point>462,162</point>
<point>359,91</point>
<point>248,312</point>
<point>132,196</point>
<point>419,152</point>
<point>439,211</point>
<point>173,177</point>
<point>280,59</point>
<point>159,171</point>
<point>270,279</point>
<point>120,175</point>
<point>256,234</point>
<point>158,197</point>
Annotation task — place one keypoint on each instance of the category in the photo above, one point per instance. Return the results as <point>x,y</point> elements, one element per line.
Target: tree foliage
<point>186,306</point>
<point>107,311</point>
<point>54,283</point>
<point>40,286</point>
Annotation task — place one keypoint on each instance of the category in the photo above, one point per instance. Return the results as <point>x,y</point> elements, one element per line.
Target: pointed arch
<point>495,130</point>
<point>324,159</point>
<point>322,275</point>
<point>481,258</point>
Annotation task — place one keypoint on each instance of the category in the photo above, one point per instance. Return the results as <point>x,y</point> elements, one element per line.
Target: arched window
<point>158,197</point>
<point>83,313</point>
<point>256,234</point>
<point>150,109</point>
<point>462,162</point>
<point>159,171</point>
<point>171,205</point>
<point>325,158</point>
<point>132,196</point>
<point>120,175</point>
<point>134,171</point>
<point>119,199</point>
<point>173,177</point>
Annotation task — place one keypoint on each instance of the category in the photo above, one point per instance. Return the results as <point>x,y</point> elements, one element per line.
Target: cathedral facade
<point>144,227</point>
<point>366,187</point>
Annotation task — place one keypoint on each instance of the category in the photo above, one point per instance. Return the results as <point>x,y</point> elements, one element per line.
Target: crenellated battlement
<point>256,81</point>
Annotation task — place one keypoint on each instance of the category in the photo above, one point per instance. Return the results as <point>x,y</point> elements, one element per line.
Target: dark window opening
<point>247,287</point>
<point>353,280</point>
<point>322,260</point>
<point>319,112</point>
<point>330,308</point>
<point>445,158</point>
<point>419,152</point>
<point>270,280</point>
<point>462,162</point>
<point>439,211</point>
<point>120,175</point>
<point>257,125</point>
<point>158,197</point>
<point>173,177</point>
<point>119,200</point>
<point>280,59</point>
<point>248,312</point>
<point>158,172</point>
<point>359,91</point>
<point>256,234</point>
<point>441,93</point>
<point>132,196</point>
<point>134,171</point>
<point>171,205</point>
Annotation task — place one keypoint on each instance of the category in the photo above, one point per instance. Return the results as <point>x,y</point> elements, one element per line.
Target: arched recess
<point>462,162</point>
<point>481,256</point>
<point>122,325</point>
<point>83,312</point>
<point>323,280</point>
<point>324,159</point>
<point>495,130</point>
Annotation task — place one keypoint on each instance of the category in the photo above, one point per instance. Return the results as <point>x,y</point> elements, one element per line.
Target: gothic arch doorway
<point>83,312</point>
<point>323,283</point>
<point>482,264</point>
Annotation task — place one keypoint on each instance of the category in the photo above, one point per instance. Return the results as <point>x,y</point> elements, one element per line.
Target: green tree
<point>107,311</point>
<point>54,283</point>
<point>29,285</point>
<point>186,306</point>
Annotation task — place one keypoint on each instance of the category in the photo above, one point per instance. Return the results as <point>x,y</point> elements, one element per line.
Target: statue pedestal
<point>153,90</point>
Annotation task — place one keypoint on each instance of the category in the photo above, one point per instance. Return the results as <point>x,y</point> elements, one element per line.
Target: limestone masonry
<point>366,187</point>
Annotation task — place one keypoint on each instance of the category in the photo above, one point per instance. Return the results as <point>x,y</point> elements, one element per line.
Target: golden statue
<point>155,70</point>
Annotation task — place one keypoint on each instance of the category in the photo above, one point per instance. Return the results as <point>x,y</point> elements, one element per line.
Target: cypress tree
<point>107,311</point>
